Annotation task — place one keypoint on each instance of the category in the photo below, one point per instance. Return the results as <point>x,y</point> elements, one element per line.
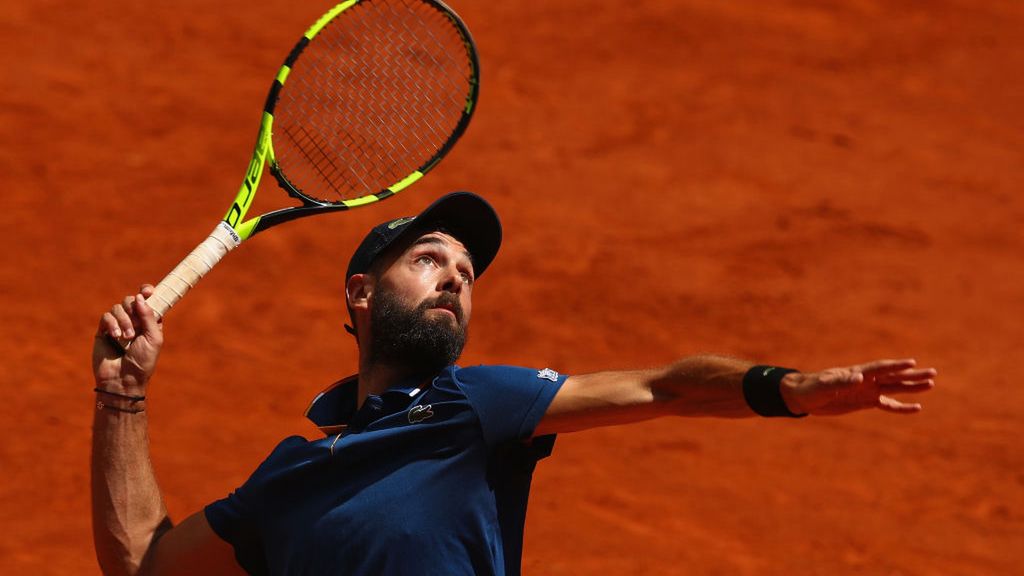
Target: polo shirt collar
<point>334,409</point>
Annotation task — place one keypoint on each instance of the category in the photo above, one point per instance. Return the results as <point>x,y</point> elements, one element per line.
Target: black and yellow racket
<point>371,98</point>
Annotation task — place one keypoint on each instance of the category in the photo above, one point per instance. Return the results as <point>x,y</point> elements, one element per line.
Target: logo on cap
<point>396,223</point>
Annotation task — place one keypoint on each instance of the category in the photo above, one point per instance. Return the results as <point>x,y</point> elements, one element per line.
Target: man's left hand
<point>842,390</point>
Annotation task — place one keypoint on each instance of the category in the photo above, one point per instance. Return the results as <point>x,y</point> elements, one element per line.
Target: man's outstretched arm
<point>709,385</point>
<point>131,529</point>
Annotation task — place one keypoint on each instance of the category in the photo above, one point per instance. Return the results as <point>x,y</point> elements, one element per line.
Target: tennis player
<point>424,467</point>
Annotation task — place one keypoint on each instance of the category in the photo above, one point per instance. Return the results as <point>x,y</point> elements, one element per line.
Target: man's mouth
<point>449,307</point>
<point>446,309</point>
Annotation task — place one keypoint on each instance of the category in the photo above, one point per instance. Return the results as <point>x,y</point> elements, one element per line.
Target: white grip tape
<point>186,274</point>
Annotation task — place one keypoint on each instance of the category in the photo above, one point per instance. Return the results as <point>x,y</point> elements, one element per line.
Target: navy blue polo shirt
<point>428,478</point>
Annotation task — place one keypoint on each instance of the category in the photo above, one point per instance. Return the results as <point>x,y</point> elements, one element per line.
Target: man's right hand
<point>133,320</point>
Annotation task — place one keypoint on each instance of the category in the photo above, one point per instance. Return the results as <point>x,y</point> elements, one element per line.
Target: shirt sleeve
<point>237,518</point>
<point>510,401</point>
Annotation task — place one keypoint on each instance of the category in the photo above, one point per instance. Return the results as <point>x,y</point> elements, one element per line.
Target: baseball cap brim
<point>464,215</point>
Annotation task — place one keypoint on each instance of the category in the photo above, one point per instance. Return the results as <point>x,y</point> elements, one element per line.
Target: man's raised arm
<point>129,516</point>
<point>710,385</point>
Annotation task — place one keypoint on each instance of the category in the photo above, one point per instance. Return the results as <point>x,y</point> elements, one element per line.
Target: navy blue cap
<point>466,216</point>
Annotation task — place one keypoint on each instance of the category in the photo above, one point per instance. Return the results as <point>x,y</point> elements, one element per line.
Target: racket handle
<point>185,275</point>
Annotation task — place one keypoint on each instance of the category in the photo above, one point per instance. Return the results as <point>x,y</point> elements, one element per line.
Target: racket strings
<point>373,97</point>
<point>315,150</point>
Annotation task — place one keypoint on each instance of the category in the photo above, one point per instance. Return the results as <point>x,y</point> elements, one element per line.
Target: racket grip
<point>186,274</point>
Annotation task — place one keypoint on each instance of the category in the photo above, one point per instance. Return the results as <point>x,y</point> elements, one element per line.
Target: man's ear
<point>358,290</point>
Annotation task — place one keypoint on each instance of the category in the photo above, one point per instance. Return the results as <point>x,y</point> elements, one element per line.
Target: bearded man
<point>424,467</point>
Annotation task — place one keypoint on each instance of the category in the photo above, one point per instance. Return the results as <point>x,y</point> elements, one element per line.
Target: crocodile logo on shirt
<point>420,413</point>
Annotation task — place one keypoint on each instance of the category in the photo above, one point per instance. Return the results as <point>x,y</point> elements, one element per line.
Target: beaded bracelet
<point>128,397</point>
<point>132,400</point>
<point>101,406</point>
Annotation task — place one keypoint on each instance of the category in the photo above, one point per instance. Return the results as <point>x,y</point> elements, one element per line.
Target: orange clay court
<point>801,183</point>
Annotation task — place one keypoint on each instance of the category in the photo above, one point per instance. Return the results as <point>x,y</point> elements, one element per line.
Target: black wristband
<point>125,396</point>
<point>761,390</point>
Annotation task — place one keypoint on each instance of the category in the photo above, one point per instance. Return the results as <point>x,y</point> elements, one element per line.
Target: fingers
<point>148,322</point>
<point>906,376</point>
<point>889,404</point>
<point>873,385</point>
<point>906,381</point>
<point>130,317</point>
<point>107,325</point>
<point>900,377</point>
<point>110,332</point>
<point>907,387</point>
<point>884,366</point>
<point>118,320</point>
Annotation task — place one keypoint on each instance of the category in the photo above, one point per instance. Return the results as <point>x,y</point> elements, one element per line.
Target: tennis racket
<point>369,100</point>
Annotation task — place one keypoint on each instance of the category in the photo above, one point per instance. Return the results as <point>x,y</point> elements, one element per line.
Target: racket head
<point>372,97</point>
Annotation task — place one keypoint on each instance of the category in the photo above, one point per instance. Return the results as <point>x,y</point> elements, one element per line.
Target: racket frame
<point>233,230</point>
<point>264,151</point>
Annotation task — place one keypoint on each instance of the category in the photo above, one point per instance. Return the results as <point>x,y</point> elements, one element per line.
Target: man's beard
<point>405,338</point>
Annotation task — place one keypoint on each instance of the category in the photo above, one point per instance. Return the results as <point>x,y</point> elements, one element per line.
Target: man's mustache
<point>446,300</point>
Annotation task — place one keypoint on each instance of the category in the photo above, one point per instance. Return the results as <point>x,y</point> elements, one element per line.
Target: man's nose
<point>451,281</point>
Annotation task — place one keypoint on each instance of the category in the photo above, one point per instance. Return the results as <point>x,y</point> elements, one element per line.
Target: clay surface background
<point>802,183</point>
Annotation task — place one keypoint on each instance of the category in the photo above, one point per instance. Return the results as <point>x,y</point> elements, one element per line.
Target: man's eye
<point>466,278</point>
<point>424,260</point>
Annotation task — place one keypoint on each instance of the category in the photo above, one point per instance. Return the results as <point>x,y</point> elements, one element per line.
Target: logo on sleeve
<point>420,413</point>
<point>548,374</point>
